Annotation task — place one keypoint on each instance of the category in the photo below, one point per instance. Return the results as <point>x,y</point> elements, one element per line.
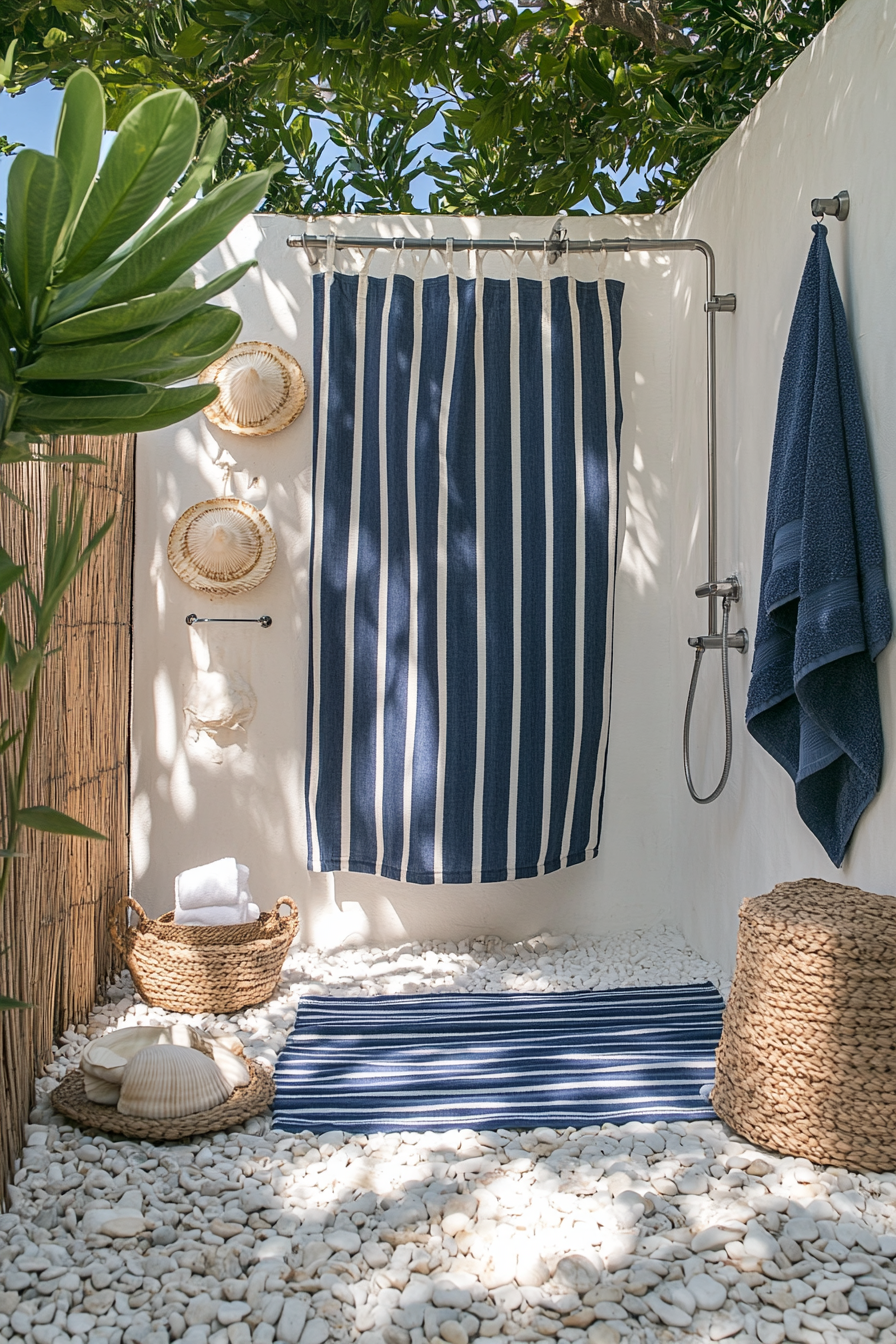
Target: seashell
<point>222,546</point>
<point>231,1043</point>
<point>166,1081</point>
<point>106,1057</point>
<point>106,1094</point>
<point>231,1066</point>
<point>261,389</point>
<point>219,702</point>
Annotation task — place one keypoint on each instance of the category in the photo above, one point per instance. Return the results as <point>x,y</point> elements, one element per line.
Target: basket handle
<point>286,900</point>
<point>126,902</point>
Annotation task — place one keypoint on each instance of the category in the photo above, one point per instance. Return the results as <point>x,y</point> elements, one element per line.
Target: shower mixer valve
<point>730,591</point>
<point>729,587</point>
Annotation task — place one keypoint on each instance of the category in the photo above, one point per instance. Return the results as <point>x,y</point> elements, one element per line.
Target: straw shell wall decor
<point>163,1082</point>
<point>261,389</point>
<point>222,546</point>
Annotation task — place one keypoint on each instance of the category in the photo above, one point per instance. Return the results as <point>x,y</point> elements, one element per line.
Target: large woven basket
<point>807,1060</point>
<point>191,969</point>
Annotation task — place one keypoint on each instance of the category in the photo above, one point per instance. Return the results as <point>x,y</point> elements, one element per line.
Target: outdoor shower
<point>557,245</point>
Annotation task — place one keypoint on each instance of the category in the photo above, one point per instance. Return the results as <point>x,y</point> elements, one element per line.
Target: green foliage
<point>89,256</point>
<point>510,110</point>
<point>99,315</point>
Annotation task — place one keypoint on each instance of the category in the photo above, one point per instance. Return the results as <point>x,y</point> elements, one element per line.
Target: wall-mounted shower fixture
<point>729,590</point>
<point>836,206</point>
<point>560,244</point>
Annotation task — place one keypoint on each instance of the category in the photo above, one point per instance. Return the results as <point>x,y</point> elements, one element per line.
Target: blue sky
<point>29,119</point>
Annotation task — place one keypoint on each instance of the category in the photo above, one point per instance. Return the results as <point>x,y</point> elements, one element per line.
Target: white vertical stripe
<point>546,378</point>
<point>351,576</point>
<point>383,604</point>
<point>413,576</point>
<point>579,675</point>
<point>516,525</point>
<point>612,492</point>
<point>442,571</point>
<point>314,745</point>
<point>481,642</point>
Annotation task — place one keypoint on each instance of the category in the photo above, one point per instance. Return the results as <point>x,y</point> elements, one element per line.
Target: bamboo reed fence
<point>60,896</point>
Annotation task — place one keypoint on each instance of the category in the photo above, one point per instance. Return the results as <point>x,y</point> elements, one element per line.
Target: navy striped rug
<point>463,561</point>
<point>478,1061</point>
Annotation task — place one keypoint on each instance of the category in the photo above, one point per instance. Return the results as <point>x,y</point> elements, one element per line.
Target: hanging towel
<point>824,607</point>
<point>463,561</point>
<point>218,883</point>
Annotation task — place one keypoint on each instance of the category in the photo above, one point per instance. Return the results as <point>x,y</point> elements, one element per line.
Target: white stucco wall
<point>827,124</point>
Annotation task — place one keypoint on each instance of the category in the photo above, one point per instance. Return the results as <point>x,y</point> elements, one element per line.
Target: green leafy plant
<point>99,316</point>
<point>543,105</point>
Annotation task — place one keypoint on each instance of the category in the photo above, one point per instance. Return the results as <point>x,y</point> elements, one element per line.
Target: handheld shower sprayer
<point>729,590</point>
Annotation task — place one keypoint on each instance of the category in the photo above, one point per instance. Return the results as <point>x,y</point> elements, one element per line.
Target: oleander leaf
<point>177,352</point>
<point>153,146</point>
<point>153,312</point>
<point>56,823</point>
<point>37,201</point>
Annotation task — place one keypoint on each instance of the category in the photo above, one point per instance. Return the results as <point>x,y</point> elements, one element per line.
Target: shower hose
<point>726,697</point>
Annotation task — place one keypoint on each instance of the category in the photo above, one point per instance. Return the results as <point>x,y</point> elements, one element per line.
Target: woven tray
<point>191,969</point>
<point>70,1098</point>
<point>807,1060</point>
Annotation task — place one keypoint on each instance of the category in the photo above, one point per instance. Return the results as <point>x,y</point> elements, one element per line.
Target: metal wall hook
<point>264,621</point>
<point>835,206</point>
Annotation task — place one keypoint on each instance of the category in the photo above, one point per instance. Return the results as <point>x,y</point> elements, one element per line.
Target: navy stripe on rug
<point>477,1061</point>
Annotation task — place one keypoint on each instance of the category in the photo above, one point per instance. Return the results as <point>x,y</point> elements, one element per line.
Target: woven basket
<point>71,1099</point>
<point>190,969</point>
<point>807,1060</point>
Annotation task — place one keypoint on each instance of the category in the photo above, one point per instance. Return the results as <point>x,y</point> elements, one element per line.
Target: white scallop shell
<point>106,1057</point>
<point>106,1094</point>
<point>261,389</point>
<point>166,1081</point>
<point>231,1066</point>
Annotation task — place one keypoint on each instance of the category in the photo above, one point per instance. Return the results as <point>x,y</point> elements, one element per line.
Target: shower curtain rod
<point>557,246</point>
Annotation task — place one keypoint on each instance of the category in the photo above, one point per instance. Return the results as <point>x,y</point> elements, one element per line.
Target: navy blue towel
<point>448,1061</point>
<point>824,607</point>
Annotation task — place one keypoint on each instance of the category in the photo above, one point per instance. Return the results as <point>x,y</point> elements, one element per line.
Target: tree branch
<point>638,21</point>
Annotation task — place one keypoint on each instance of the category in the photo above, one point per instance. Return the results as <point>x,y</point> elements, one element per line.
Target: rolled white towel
<point>244,913</point>
<point>215,883</point>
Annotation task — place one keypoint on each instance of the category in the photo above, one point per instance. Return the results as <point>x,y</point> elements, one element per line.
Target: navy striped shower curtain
<point>463,558</point>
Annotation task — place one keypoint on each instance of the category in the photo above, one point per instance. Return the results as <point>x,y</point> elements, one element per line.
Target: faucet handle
<point>729,588</point>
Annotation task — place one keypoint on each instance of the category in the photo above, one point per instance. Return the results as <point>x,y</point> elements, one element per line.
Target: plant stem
<point>17,784</point>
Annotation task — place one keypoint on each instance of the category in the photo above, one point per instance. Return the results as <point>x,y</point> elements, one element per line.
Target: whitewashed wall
<point>825,125</point>
<point>194,801</point>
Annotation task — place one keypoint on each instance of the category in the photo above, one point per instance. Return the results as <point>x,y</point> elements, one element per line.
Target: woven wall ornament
<point>261,389</point>
<point>222,546</point>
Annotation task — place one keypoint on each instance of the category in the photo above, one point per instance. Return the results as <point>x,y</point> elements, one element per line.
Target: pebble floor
<point>609,1235</point>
